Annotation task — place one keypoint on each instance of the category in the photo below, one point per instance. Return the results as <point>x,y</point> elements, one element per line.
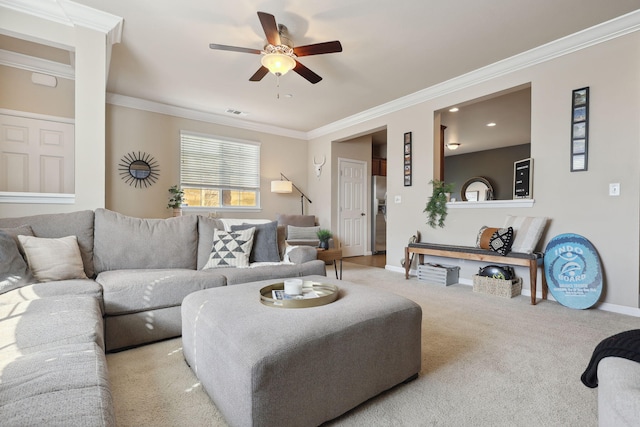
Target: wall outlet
<point>614,189</point>
<point>397,199</point>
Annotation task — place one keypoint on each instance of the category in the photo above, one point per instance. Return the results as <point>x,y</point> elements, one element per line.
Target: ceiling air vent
<point>235,112</point>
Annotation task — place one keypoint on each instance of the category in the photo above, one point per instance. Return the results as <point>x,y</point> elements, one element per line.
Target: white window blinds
<point>210,162</point>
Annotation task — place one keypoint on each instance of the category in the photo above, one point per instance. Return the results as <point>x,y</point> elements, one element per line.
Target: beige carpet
<point>486,361</point>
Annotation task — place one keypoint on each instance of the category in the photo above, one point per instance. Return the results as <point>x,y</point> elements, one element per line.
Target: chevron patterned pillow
<point>230,248</point>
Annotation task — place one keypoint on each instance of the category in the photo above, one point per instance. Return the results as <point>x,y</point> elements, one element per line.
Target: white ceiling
<point>390,49</point>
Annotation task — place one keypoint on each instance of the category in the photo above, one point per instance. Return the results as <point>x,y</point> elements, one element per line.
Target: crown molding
<point>600,33</point>
<point>203,116</point>
<point>71,14</point>
<point>38,65</point>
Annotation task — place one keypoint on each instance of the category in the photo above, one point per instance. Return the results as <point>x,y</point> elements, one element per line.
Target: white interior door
<point>352,207</point>
<point>36,155</point>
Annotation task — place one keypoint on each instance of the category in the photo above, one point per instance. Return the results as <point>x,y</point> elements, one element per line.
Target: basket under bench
<point>531,261</point>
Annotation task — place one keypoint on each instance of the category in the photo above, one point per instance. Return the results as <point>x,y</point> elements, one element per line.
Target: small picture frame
<point>407,159</point>
<point>580,129</point>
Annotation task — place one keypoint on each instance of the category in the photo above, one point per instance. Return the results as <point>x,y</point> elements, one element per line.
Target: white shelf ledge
<point>492,204</point>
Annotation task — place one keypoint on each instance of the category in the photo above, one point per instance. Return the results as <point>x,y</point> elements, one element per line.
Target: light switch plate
<point>614,189</point>
<point>397,199</point>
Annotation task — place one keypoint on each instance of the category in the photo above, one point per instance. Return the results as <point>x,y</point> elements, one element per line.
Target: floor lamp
<point>287,187</point>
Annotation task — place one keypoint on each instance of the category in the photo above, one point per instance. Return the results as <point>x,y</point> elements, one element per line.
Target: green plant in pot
<point>324,236</point>
<point>436,208</point>
<point>176,199</point>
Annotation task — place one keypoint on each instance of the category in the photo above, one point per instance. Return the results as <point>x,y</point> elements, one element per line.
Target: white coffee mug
<point>293,286</point>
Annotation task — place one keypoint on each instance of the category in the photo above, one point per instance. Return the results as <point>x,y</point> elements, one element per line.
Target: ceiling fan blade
<point>318,48</point>
<point>234,48</point>
<point>306,73</point>
<point>262,71</point>
<point>270,28</point>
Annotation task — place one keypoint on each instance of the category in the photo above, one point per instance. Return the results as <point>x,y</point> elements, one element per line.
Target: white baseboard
<point>604,306</point>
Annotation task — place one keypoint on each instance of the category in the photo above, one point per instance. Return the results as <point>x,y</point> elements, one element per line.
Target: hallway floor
<point>378,260</point>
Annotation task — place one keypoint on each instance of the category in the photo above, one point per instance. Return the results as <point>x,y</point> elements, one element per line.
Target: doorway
<point>352,205</point>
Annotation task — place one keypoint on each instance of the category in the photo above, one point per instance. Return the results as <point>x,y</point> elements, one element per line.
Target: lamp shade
<point>281,187</point>
<point>278,63</point>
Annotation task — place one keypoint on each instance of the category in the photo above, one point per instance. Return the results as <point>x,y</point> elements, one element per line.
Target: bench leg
<point>407,262</point>
<point>533,277</point>
<point>545,287</point>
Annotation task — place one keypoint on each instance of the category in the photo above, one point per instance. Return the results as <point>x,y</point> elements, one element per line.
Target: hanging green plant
<point>436,208</point>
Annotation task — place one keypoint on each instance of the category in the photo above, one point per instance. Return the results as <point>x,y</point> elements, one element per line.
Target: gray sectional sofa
<point>123,287</point>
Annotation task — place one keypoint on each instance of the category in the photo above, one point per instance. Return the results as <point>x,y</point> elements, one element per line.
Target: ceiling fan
<point>279,55</point>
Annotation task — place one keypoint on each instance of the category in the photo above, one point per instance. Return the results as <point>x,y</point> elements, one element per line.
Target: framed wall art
<point>580,129</point>
<point>407,159</point>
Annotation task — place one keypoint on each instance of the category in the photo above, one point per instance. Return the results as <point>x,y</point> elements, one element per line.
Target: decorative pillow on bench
<point>527,232</point>
<point>498,240</point>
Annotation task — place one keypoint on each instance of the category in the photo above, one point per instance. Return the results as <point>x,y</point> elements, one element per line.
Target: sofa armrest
<point>302,254</point>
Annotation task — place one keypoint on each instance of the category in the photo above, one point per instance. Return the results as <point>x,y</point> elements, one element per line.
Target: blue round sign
<point>573,271</point>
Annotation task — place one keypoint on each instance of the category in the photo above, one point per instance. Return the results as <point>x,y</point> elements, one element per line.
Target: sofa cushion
<point>123,242</point>
<point>63,386</point>
<point>131,291</point>
<point>265,241</point>
<point>14,272</point>
<point>231,248</point>
<point>53,259</point>
<point>79,224</point>
<point>76,287</point>
<point>31,326</point>
<point>527,232</point>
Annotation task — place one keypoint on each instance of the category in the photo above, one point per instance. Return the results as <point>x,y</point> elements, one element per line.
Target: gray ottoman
<point>268,366</point>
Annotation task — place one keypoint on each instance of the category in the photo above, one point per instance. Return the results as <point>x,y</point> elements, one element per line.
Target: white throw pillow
<point>302,233</point>
<point>53,259</point>
<point>230,248</point>
<point>527,232</point>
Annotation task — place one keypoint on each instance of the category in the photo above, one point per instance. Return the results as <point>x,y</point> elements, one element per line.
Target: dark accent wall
<point>494,165</point>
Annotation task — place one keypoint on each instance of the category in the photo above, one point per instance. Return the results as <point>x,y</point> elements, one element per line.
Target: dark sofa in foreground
<point>98,282</point>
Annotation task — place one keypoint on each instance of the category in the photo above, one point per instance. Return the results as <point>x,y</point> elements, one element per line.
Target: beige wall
<point>17,92</point>
<point>576,202</point>
<point>158,135</point>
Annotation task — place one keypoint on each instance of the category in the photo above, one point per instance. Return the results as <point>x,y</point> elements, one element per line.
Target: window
<point>219,173</point>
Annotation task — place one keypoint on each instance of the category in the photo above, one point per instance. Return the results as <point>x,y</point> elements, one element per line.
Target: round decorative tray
<point>314,294</point>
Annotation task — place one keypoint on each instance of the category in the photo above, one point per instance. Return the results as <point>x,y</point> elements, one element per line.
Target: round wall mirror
<point>476,189</point>
<point>138,169</point>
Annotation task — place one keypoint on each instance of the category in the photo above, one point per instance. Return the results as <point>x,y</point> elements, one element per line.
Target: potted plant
<point>324,236</point>
<point>176,199</point>
<point>436,208</point>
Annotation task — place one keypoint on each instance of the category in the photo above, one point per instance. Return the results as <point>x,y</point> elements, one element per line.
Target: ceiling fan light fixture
<point>278,59</point>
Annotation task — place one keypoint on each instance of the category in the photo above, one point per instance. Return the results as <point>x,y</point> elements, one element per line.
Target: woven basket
<point>497,287</point>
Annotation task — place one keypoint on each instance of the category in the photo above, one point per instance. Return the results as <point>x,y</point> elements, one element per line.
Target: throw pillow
<point>265,241</point>
<point>501,240</point>
<point>527,230</point>
<point>287,252</point>
<point>24,230</point>
<point>53,259</point>
<point>14,272</point>
<point>302,233</point>
<point>231,248</point>
<point>484,236</point>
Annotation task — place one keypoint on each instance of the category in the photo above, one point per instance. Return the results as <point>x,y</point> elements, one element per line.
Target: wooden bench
<point>532,261</point>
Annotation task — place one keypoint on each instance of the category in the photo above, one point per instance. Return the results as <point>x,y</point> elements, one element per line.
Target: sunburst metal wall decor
<point>139,169</point>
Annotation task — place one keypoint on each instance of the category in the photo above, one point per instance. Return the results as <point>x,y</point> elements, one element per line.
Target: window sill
<point>41,198</point>
<point>492,204</point>
<point>212,210</point>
